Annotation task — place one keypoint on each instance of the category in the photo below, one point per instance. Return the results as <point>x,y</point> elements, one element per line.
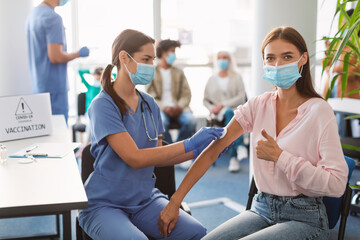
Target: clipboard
<point>45,150</point>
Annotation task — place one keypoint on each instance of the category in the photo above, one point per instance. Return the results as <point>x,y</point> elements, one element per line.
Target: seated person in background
<point>94,87</point>
<point>172,93</point>
<point>297,155</point>
<point>225,91</point>
<point>126,142</point>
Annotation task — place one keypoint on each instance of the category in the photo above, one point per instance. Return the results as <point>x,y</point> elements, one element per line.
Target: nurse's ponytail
<point>130,41</point>
<point>107,85</point>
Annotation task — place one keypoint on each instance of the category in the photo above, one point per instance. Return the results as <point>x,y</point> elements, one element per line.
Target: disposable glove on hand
<point>202,137</point>
<point>198,150</point>
<point>84,52</point>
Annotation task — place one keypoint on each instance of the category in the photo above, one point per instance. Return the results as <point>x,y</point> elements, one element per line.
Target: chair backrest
<point>165,176</point>
<point>174,124</point>
<point>81,104</point>
<point>335,207</point>
<point>87,163</point>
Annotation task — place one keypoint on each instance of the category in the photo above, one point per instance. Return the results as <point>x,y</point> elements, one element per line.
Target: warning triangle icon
<point>22,108</point>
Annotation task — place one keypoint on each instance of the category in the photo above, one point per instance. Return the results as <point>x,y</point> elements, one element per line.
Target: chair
<point>174,124</point>
<point>354,207</point>
<point>78,126</point>
<point>165,182</point>
<point>335,207</point>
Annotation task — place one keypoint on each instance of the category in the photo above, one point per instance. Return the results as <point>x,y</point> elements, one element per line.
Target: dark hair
<point>98,70</point>
<point>165,45</point>
<point>130,41</point>
<point>304,84</point>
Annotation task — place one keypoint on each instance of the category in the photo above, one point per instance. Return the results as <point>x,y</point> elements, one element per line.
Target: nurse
<point>48,55</point>
<point>126,127</point>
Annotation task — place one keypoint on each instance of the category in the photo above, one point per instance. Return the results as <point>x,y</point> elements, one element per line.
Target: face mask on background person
<point>96,83</point>
<point>144,73</point>
<point>223,64</point>
<point>170,59</point>
<point>283,76</point>
<point>63,2</point>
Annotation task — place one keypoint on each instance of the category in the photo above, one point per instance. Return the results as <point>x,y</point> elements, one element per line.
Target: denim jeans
<point>274,217</point>
<point>187,122</point>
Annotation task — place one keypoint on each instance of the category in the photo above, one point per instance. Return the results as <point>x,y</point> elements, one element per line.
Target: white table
<point>50,186</point>
<point>345,105</point>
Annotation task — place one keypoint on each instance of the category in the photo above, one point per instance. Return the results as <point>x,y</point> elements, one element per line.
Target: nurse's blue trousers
<point>108,223</point>
<point>60,104</point>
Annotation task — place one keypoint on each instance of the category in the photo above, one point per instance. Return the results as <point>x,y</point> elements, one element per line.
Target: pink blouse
<point>312,161</point>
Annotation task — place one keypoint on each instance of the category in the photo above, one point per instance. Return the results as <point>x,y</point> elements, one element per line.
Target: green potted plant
<point>343,48</point>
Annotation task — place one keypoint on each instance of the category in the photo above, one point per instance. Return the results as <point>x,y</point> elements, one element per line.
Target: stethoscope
<point>143,117</point>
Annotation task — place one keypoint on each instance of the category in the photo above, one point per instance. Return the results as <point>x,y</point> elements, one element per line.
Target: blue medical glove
<point>199,150</point>
<point>203,136</point>
<point>84,52</point>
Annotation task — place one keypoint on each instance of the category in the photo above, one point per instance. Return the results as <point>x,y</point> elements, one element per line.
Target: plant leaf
<point>350,147</point>
<point>344,42</point>
<point>355,186</point>
<point>345,74</point>
<point>353,91</point>
<point>352,117</point>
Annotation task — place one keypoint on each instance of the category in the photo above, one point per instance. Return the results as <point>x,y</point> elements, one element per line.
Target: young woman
<point>224,91</point>
<point>297,152</point>
<point>125,126</point>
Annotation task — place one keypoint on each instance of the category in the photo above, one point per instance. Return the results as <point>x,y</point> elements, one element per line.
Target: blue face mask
<point>283,76</point>
<point>144,73</point>
<point>223,64</point>
<point>170,59</point>
<point>63,2</point>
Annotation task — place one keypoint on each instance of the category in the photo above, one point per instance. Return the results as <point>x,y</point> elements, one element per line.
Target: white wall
<point>300,15</point>
<point>14,70</point>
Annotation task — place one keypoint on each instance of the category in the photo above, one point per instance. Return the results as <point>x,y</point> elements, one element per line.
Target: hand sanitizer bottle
<point>3,154</point>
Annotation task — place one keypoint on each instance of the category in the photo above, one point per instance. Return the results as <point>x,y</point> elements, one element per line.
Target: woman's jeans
<point>274,217</point>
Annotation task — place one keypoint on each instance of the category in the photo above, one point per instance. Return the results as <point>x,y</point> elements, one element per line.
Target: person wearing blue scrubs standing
<point>47,54</point>
<point>126,127</point>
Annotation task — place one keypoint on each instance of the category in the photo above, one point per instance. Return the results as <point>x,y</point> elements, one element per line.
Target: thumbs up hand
<point>268,149</point>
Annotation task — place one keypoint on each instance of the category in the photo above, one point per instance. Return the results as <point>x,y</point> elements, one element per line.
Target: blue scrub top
<point>113,182</point>
<point>43,27</point>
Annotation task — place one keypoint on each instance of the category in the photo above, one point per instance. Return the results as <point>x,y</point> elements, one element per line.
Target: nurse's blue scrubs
<point>123,202</point>
<point>43,27</point>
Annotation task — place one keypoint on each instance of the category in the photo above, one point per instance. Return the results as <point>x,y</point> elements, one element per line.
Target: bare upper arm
<point>55,52</point>
<point>124,146</point>
<point>234,131</point>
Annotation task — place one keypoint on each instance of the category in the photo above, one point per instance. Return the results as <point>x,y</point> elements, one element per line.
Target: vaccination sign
<point>25,116</point>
